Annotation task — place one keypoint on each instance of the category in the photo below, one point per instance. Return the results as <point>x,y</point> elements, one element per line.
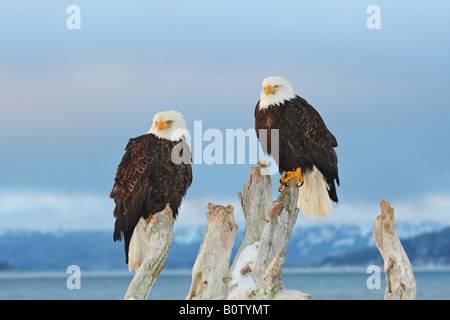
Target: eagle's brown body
<point>146,180</point>
<point>304,140</point>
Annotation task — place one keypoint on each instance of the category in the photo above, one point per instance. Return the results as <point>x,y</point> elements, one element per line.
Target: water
<point>175,286</point>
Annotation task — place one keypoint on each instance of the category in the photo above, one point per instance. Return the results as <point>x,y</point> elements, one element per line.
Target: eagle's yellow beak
<point>269,90</point>
<point>160,125</point>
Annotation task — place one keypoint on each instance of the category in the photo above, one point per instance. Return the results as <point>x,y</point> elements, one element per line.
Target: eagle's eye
<point>169,122</point>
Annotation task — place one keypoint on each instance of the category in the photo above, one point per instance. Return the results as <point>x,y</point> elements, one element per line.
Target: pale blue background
<point>71,99</point>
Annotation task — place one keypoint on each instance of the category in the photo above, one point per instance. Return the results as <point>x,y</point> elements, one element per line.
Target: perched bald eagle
<point>149,176</point>
<point>306,146</point>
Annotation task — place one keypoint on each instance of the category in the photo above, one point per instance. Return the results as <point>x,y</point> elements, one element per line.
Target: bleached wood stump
<point>400,280</point>
<point>257,268</point>
<point>159,232</point>
<point>210,271</point>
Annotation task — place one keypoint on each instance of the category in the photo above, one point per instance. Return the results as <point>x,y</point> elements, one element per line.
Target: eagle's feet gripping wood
<point>289,175</point>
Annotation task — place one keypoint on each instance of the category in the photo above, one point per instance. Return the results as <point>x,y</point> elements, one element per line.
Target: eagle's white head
<point>169,125</point>
<point>275,91</point>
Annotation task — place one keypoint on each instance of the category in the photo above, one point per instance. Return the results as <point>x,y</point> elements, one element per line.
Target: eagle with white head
<point>149,176</point>
<point>305,146</point>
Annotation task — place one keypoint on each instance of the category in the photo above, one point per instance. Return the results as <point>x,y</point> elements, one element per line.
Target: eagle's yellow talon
<point>289,175</point>
<point>282,182</point>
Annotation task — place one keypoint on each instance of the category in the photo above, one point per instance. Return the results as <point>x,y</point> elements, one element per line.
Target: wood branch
<point>400,281</point>
<point>210,271</point>
<point>269,226</point>
<point>280,222</point>
<point>159,232</point>
<point>256,202</point>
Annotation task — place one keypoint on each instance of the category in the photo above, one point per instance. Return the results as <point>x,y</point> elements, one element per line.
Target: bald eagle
<point>149,176</point>
<point>306,147</point>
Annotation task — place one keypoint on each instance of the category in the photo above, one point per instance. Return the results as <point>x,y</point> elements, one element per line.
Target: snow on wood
<point>159,232</point>
<point>241,279</point>
<point>257,268</point>
<point>400,281</point>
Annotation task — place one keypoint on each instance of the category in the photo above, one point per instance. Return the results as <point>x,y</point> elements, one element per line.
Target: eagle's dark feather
<point>146,181</point>
<point>304,140</point>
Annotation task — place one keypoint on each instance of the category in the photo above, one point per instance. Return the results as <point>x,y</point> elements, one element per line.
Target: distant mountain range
<point>427,244</point>
<point>426,250</point>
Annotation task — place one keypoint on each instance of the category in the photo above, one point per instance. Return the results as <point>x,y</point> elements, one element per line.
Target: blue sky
<point>71,99</point>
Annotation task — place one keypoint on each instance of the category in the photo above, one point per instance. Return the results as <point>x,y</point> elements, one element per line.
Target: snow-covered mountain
<point>309,246</point>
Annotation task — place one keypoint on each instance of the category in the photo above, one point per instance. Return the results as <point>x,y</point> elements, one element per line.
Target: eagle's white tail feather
<point>313,198</point>
<point>139,245</point>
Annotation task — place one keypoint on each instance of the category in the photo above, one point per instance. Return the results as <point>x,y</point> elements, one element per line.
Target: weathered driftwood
<point>256,201</point>
<point>400,281</point>
<point>257,269</point>
<point>210,271</point>
<point>159,232</point>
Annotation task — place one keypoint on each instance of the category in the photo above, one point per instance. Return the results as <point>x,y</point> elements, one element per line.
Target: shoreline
<point>54,274</point>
